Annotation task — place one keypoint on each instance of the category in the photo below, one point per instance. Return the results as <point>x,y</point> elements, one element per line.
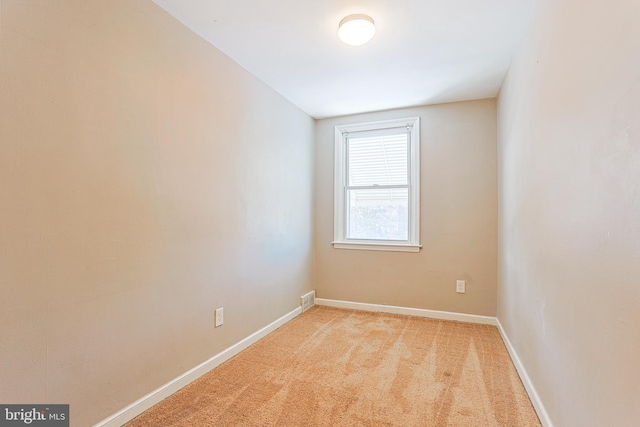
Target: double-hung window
<point>377,186</point>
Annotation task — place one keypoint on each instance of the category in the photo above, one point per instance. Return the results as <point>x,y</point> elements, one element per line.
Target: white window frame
<point>412,244</point>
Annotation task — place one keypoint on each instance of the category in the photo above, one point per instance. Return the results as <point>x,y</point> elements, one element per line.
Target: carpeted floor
<point>334,367</point>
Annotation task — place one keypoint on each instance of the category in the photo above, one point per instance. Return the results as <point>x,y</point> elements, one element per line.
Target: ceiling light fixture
<point>357,29</point>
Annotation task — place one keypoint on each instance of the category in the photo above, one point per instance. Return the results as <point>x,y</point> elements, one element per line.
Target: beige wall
<point>458,218</point>
<point>569,166</point>
<point>145,179</point>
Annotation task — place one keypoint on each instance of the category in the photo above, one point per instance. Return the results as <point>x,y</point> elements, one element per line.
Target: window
<point>377,186</point>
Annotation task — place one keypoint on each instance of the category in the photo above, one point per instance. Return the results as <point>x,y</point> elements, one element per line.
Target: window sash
<point>377,147</point>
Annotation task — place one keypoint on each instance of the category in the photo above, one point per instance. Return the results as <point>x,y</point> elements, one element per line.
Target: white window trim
<point>340,213</point>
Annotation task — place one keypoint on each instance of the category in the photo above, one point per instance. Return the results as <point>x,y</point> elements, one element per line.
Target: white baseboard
<point>528,384</point>
<point>139,406</point>
<point>420,312</point>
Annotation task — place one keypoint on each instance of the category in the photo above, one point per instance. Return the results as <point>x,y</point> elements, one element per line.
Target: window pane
<point>380,160</point>
<point>381,214</point>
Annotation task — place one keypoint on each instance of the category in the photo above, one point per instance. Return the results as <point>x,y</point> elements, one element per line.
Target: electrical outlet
<point>219,317</point>
<point>461,286</point>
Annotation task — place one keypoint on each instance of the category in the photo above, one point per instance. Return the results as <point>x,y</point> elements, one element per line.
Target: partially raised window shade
<point>378,160</point>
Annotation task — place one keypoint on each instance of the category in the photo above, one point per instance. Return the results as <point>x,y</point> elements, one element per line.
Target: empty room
<point>320,213</point>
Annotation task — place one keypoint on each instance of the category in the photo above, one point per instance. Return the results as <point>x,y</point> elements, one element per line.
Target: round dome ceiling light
<point>357,29</point>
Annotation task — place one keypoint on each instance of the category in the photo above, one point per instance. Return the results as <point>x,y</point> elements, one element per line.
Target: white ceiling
<point>424,51</point>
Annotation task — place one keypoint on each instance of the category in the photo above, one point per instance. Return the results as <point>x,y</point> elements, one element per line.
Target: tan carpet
<point>334,367</point>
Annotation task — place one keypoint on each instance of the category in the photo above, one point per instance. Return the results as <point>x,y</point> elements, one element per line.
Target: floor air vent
<point>308,300</point>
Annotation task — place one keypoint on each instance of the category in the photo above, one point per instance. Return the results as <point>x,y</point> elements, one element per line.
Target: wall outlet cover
<point>219,317</point>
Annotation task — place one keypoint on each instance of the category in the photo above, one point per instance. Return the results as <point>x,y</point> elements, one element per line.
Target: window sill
<point>377,247</point>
